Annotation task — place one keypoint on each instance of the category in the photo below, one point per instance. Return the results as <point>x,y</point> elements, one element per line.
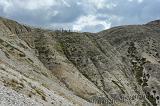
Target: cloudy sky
<point>82,15</point>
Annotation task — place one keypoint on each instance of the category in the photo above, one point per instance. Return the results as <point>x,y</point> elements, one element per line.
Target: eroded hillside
<point>115,67</point>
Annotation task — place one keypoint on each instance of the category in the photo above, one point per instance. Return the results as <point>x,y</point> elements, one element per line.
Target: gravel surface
<point>9,97</point>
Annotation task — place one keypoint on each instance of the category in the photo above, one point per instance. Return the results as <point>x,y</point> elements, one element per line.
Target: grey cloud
<point>41,17</point>
<point>133,12</point>
<point>123,12</point>
<point>67,14</point>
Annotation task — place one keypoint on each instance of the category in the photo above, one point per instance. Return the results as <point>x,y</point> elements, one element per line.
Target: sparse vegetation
<point>14,84</point>
<point>23,46</point>
<point>45,74</point>
<point>36,90</point>
<point>45,85</point>
<point>30,61</point>
<point>30,95</point>
<point>137,63</point>
<point>151,99</point>
<point>141,76</point>
<point>1,41</point>
<point>22,55</point>
<point>7,55</point>
<point>121,88</point>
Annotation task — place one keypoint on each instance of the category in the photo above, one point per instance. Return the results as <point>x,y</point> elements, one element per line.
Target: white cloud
<point>32,4</point>
<point>66,3</point>
<point>5,4</point>
<point>139,1</point>
<point>89,20</point>
<point>36,4</point>
<point>100,4</point>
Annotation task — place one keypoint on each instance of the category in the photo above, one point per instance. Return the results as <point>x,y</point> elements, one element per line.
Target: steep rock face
<point>68,68</point>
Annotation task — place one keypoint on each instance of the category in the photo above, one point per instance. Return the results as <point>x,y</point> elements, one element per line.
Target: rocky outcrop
<point>117,67</point>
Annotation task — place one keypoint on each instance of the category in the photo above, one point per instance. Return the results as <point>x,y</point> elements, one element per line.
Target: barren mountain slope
<point>69,68</point>
<point>22,71</point>
<point>139,48</point>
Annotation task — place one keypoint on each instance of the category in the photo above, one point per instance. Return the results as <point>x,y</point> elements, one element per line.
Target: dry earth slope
<point>116,67</point>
